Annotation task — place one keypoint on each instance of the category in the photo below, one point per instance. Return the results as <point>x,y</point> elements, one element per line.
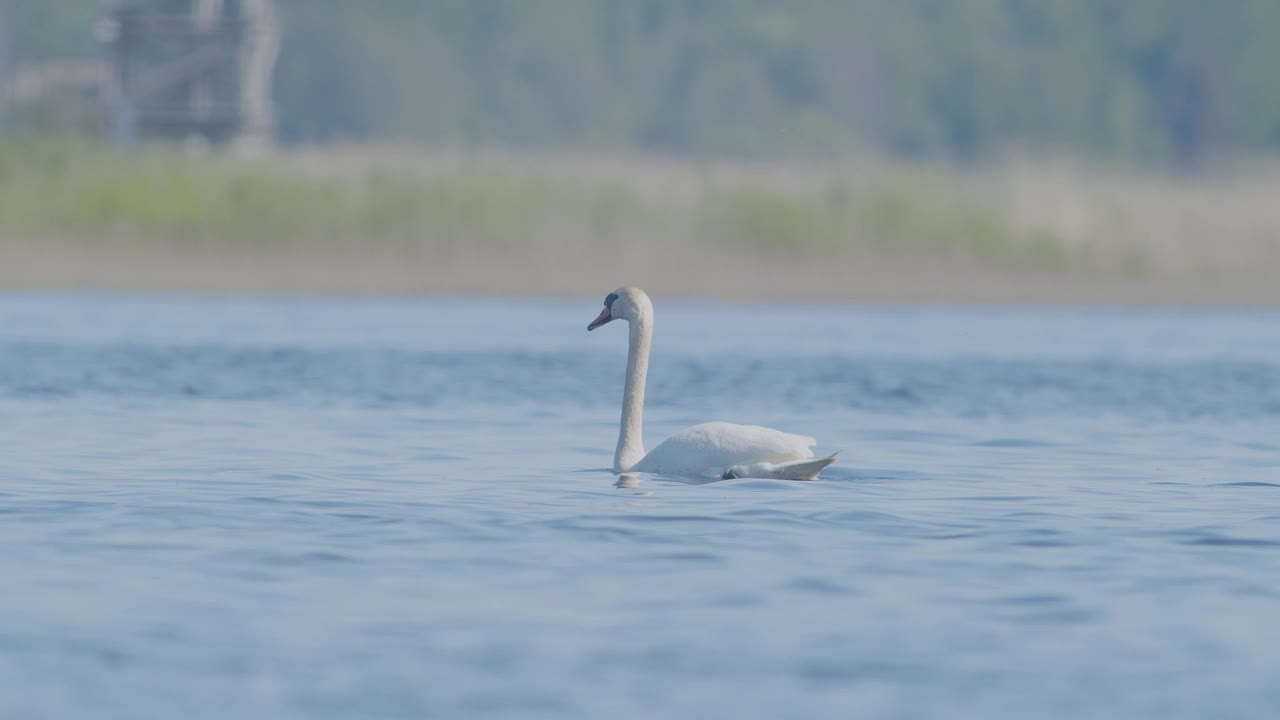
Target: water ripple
<point>286,508</point>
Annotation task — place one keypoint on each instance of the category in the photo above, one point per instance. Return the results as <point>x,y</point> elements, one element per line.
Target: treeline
<point>1147,81</point>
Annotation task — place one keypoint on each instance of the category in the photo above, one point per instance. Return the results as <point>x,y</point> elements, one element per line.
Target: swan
<point>710,450</point>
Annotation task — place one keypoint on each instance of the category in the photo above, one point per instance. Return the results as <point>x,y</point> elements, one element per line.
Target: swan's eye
<point>608,301</point>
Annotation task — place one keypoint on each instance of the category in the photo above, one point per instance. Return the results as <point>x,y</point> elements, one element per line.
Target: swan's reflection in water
<point>627,481</point>
<point>630,481</point>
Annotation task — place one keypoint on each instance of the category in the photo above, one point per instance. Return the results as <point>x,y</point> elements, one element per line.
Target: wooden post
<point>258,59</point>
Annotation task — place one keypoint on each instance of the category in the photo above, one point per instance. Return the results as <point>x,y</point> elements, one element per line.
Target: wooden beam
<point>186,68</point>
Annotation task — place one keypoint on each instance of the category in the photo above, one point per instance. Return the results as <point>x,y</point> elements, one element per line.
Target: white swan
<point>715,449</point>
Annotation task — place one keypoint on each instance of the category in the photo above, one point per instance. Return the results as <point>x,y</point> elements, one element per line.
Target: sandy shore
<point>672,275</point>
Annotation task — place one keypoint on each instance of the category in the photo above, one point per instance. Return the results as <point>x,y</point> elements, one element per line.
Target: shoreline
<point>890,281</point>
<point>436,222</point>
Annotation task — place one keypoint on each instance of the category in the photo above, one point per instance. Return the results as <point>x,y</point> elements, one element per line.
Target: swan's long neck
<point>630,441</point>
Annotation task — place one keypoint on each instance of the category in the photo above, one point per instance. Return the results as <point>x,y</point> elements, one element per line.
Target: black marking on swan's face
<point>606,316</point>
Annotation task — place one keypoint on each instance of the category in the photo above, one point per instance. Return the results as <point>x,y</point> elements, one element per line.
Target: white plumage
<point>715,449</point>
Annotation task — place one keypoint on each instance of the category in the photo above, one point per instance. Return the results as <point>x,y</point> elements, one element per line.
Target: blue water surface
<point>333,508</point>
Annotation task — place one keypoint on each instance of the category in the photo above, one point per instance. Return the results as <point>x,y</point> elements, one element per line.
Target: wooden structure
<point>183,69</point>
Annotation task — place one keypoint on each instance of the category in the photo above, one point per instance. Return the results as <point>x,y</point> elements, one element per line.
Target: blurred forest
<point>1150,82</point>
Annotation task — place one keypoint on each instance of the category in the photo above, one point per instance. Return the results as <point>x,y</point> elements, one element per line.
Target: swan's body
<point>715,449</point>
<point>724,450</point>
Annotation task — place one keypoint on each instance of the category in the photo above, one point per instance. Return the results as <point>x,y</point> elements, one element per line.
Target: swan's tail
<point>801,469</point>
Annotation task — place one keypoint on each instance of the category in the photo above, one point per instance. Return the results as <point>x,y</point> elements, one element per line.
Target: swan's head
<point>628,303</point>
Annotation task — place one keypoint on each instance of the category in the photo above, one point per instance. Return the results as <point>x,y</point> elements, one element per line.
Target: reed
<point>439,205</point>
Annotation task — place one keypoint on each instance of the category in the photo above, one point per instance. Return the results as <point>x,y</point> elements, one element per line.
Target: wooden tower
<point>191,69</point>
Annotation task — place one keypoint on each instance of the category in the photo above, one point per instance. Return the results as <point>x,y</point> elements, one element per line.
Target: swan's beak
<point>601,319</point>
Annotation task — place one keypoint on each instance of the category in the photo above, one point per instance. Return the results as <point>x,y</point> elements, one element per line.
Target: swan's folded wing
<point>712,447</point>
<point>760,443</point>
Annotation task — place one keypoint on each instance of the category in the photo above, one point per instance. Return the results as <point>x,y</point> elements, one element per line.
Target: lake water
<point>320,508</point>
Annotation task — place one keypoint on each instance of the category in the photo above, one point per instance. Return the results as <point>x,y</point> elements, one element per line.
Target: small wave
<point>1015,443</point>
<point>1221,541</point>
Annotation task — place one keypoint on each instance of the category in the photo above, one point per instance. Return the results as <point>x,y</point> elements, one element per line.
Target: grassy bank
<point>443,220</point>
